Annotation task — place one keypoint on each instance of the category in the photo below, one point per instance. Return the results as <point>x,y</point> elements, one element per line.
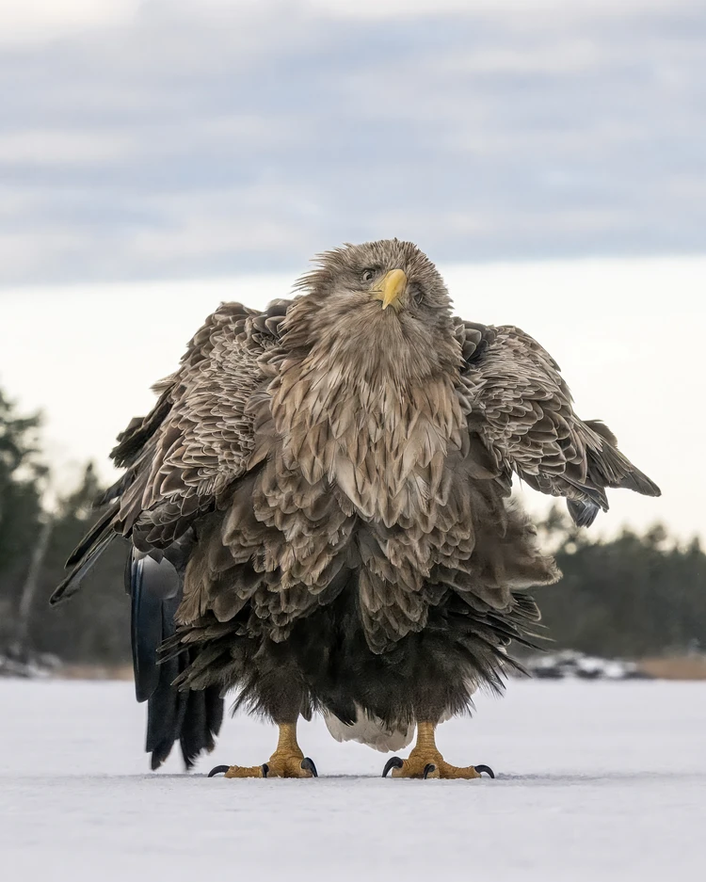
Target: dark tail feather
<point>192,718</point>
<point>202,722</point>
<point>154,588</point>
<point>166,710</point>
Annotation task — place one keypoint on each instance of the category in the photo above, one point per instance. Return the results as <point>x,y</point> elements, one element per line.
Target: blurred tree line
<point>629,597</point>
<point>34,543</point>
<point>632,596</point>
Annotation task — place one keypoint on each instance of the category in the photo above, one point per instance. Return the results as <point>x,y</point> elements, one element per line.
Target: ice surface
<point>596,781</point>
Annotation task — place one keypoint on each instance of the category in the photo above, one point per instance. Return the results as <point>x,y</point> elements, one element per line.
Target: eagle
<point>320,517</point>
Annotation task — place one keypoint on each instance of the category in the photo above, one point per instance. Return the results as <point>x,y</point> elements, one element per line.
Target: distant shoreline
<point>688,667</point>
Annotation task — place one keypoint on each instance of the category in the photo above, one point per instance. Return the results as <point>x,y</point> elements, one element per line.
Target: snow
<point>596,781</point>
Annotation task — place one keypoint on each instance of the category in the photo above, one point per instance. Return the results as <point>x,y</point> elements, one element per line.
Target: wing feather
<point>516,400</point>
<point>195,442</point>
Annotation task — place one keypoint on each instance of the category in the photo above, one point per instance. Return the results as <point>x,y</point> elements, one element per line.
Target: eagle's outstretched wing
<point>179,459</point>
<point>518,403</point>
<point>194,443</point>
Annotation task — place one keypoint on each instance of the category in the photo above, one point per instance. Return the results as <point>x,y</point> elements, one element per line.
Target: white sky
<point>627,333</point>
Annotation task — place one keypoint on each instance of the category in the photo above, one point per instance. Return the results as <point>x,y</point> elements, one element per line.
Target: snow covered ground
<point>596,781</point>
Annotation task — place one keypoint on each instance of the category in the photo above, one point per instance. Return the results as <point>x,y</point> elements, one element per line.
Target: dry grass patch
<point>689,667</point>
<point>95,672</point>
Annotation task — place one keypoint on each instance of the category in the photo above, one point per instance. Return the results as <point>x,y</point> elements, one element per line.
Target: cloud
<point>514,10</point>
<point>163,139</point>
<point>50,147</point>
<point>38,21</point>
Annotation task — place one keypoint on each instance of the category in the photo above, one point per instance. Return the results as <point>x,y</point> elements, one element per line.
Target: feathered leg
<point>425,760</point>
<point>287,761</point>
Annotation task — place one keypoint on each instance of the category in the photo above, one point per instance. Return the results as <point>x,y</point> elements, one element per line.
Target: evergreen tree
<point>631,596</point>
<point>21,478</point>
<point>94,626</point>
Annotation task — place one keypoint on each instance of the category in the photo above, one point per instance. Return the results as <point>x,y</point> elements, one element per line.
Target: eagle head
<point>380,307</point>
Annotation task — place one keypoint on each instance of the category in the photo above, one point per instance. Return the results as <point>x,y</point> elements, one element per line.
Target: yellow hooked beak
<point>390,289</point>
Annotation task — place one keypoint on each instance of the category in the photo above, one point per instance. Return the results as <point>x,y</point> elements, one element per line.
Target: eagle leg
<point>425,761</point>
<point>287,761</point>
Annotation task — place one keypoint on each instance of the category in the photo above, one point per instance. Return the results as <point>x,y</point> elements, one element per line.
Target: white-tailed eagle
<point>320,516</point>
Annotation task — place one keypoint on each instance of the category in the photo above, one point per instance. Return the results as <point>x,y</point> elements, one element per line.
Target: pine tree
<point>21,479</point>
<point>94,625</point>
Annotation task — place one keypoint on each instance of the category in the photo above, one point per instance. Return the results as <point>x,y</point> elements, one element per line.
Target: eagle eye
<point>368,275</point>
<point>417,294</point>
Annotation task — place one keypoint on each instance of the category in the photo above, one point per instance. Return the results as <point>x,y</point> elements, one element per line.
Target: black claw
<point>218,770</point>
<point>489,772</point>
<point>308,766</point>
<point>265,770</point>
<point>393,763</point>
<point>428,769</point>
